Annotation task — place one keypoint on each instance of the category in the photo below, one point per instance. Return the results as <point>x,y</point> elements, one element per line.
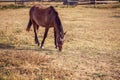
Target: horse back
<point>43,16</point>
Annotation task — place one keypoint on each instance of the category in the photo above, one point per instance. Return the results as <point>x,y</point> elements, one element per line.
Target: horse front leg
<point>45,35</point>
<point>55,41</point>
<point>36,38</point>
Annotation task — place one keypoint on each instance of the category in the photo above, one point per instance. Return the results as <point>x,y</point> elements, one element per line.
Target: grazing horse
<point>46,17</point>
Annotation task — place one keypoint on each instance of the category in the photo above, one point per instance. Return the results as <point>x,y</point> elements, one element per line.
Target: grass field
<point>91,50</point>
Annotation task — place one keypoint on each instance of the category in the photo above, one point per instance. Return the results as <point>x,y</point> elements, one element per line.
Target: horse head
<point>61,40</point>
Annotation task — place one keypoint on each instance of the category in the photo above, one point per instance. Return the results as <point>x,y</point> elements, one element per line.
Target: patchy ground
<point>91,50</point>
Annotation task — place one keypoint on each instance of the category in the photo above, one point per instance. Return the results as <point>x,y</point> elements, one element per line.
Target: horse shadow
<point>10,47</point>
<point>6,46</point>
<point>47,51</point>
<point>35,49</point>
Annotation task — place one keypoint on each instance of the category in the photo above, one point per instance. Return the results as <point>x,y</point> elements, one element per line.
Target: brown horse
<point>46,17</point>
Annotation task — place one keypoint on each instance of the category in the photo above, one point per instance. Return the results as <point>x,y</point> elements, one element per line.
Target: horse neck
<point>59,26</point>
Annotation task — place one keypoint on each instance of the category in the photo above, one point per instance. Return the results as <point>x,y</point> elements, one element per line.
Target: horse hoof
<point>42,47</point>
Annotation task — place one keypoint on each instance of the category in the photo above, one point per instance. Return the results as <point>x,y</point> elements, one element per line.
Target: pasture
<point>91,50</point>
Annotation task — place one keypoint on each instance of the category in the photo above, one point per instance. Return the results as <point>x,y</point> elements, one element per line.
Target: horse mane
<point>59,25</point>
<point>52,9</point>
<point>57,19</point>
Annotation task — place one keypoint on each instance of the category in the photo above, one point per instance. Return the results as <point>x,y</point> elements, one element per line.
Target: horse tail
<point>29,25</point>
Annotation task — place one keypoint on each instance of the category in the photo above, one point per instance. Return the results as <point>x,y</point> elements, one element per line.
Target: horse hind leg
<point>35,32</point>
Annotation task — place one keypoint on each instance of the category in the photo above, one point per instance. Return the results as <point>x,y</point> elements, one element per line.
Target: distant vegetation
<point>12,6</point>
<point>99,6</point>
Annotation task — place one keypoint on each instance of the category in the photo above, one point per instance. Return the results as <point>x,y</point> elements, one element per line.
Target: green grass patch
<point>12,6</point>
<point>98,75</point>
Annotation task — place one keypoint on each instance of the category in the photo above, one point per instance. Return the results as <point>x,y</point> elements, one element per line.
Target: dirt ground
<point>92,46</point>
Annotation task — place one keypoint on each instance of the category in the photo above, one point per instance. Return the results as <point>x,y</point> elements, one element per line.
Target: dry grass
<point>91,49</point>
<point>26,65</point>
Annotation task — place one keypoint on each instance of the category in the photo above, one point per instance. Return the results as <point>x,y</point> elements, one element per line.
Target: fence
<point>67,1</point>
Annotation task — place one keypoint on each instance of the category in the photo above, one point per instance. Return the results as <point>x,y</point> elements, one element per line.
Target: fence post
<point>94,3</point>
<point>15,1</point>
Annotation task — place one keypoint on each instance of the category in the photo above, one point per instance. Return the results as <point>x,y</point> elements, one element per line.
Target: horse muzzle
<point>60,48</point>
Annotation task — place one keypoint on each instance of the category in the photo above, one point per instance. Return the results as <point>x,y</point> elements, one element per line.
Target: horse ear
<point>65,33</point>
